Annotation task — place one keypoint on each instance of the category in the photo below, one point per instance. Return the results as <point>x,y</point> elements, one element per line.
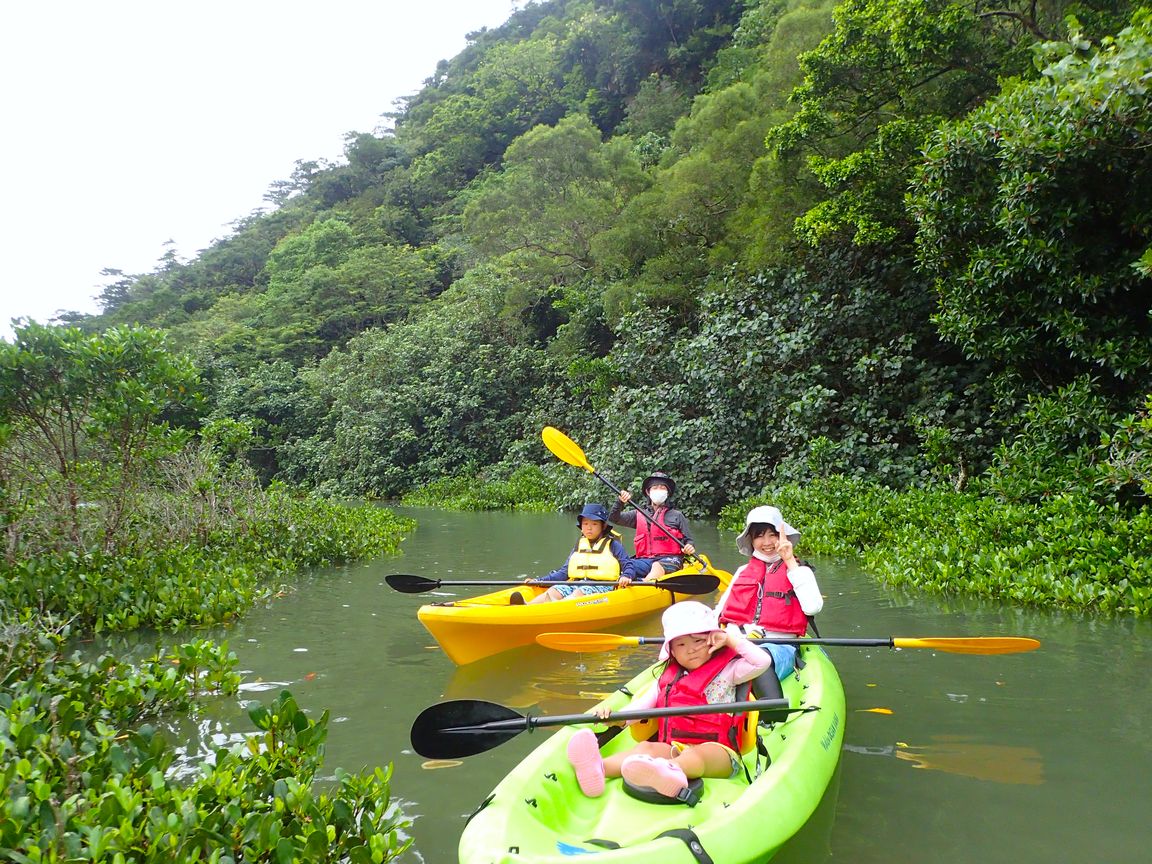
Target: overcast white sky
<point>127,123</point>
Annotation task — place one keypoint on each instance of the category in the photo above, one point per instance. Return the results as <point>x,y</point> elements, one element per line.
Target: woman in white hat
<point>773,594</point>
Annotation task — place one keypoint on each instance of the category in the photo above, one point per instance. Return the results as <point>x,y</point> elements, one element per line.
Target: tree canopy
<point>758,241</point>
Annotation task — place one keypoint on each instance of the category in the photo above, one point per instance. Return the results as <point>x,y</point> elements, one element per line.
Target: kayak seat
<point>747,731</point>
<point>690,795</point>
<point>749,740</point>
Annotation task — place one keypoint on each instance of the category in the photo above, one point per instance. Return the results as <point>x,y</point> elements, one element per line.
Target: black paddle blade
<point>690,583</point>
<point>406,583</point>
<point>451,730</point>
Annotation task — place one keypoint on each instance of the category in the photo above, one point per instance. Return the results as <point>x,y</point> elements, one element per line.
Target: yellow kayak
<point>476,627</point>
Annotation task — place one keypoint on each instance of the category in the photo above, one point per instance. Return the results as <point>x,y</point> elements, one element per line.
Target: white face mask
<point>658,496</point>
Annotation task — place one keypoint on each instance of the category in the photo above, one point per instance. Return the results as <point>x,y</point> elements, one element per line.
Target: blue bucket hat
<point>594,511</point>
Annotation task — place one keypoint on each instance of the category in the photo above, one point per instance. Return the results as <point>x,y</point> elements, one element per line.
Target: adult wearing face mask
<point>657,551</point>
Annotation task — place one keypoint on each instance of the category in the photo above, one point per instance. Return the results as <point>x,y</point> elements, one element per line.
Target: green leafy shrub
<point>526,488</point>
<point>1032,216</point>
<point>184,584</point>
<point>436,396</point>
<point>938,540</point>
<point>1130,450</point>
<point>1057,448</point>
<point>83,780</point>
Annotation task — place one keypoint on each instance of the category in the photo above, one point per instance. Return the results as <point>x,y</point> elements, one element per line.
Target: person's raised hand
<point>625,496</point>
<point>784,548</point>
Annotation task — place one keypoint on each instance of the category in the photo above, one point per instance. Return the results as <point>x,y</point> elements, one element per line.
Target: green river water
<point>1028,758</point>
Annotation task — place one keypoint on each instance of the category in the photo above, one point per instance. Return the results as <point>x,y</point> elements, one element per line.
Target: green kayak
<point>537,813</point>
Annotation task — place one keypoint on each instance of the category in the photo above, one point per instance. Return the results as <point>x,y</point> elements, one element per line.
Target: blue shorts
<point>783,658</point>
<point>641,567</point>
<point>567,590</point>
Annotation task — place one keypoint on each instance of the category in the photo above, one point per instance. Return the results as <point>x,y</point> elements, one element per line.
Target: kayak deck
<point>470,629</point>
<point>538,814</point>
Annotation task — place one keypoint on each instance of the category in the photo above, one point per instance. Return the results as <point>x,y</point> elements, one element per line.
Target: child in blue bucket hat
<point>599,555</point>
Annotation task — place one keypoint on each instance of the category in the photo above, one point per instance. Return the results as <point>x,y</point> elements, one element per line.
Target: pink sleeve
<point>752,661</point>
<point>642,702</point>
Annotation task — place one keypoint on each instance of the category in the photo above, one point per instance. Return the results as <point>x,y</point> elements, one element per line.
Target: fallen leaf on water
<point>311,676</point>
<point>870,685</point>
<point>874,711</point>
<point>433,764</point>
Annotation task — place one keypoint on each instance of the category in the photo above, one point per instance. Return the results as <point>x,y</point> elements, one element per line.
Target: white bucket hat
<point>685,618</point>
<point>764,516</point>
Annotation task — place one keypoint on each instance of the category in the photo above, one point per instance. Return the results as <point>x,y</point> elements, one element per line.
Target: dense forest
<point>761,242</point>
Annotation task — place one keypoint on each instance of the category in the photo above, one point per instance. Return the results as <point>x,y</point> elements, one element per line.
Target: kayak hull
<point>477,627</point>
<point>538,814</point>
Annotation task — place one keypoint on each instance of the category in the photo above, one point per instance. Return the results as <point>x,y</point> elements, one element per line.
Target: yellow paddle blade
<point>973,645</point>
<point>565,449</point>
<point>579,642</point>
<point>723,575</point>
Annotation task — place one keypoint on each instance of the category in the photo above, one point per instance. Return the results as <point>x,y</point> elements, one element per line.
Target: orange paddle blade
<point>591,642</point>
<point>971,645</point>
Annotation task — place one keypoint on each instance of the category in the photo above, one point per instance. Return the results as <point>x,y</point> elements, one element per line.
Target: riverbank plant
<point>527,488</point>
<point>121,508</point>
<point>87,777</point>
<point>182,583</point>
<point>973,543</point>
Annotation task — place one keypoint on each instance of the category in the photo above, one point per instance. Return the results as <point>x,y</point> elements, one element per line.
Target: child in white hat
<point>704,665</point>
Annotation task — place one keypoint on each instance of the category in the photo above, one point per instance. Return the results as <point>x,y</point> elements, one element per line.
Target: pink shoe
<point>664,776</point>
<point>584,756</point>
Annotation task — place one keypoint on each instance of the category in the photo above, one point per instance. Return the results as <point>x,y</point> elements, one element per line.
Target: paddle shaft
<point>530,722</point>
<point>584,642</point>
<point>684,583</point>
<point>554,438</point>
<point>638,508</point>
<point>889,642</point>
<point>580,583</point>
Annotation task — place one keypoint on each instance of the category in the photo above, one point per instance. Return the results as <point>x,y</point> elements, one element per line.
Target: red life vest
<point>765,596</point>
<point>678,687</point>
<point>654,542</point>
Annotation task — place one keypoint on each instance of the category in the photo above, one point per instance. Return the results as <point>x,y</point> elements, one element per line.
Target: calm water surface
<point>1030,758</point>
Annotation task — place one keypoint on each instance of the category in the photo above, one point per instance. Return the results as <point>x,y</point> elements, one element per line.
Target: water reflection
<point>554,682</point>
<point>966,757</point>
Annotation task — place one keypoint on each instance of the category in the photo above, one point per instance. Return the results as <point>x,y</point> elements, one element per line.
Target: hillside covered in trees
<point>763,243</point>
